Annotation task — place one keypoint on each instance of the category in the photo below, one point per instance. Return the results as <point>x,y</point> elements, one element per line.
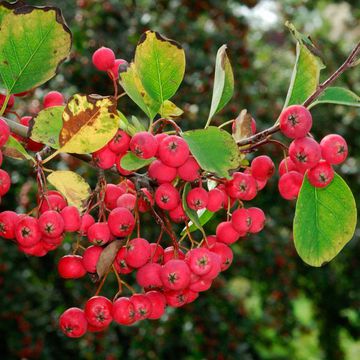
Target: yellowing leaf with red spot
<point>89,123</point>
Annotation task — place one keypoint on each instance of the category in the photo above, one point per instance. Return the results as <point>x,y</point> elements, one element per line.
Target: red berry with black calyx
<point>112,193</point>
<point>286,165</point>
<point>225,253</point>
<point>98,311</point>
<point>215,200</point>
<point>27,231</point>
<point>158,303</point>
<point>120,143</point>
<point>215,268</point>
<point>242,186</point>
<point>171,253</point>
<point>321,175</point>
<point>104,158</point>
<point>52,202</point>
<point>127,201</point>
<point>51,224</point>
<point>190,170</point>
<point>86,221</point>
<point>262,168</point>
<point>142,306</point>
<point>91,257</point>
<point>197,198</point>
<point>5,182</point>
<point>71,267</point>
<point>161,172</point>
<point>295,121</point>
<point>53,98</point>
<point>144,145</point>
<point>173,151</point>
<point>137,252</point>
<point>175,275</point>
<point>99,233</point>
<point>257,219</point>
<point>290,184</point>
<point>4,132</point>
<point>114,71</point>
<point>176,298</point>
<point>199,260</point>
<point>226,233</point>
<point>73,322</point>
<point>156,253</point>
<point>305,153</point>
<point>167,197</point>
<point>121,222</point>
<point>241,220</point>
<point>119,168</point>
<point>72,218</point>
<point>334,149</point>
<point>178,214</point>
<point>148,276</point>
<point>123,311</point>
<point>8,220</point>
<point>120,263</point>
<point>103,59</point>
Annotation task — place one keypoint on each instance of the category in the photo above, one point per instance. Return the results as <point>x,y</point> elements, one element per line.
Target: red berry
<point>161,172</point>
<point>178,215</point>
<point>225,254</point>
<point>123,311</point>
<point>158,303</point>
<point>226,233</point>
<point>120,263</point>
<point>104,158</point>
<point>119,144</point>
<point>91,257</point>
<point>170,253</point>
<point>241,220</point>
<point>262,168</point>
<point>199,260</point>
<point>112,193</point>
<point>295,121</point>
<point>5,182</point>
<point>286,165</point>
<point>200,285</point>
<point>305,152</point>
<point>35,250</point>
<point>73,322</point>
<point>8,220</point>
<point>27,231</point>
<point>86,221</point>
<point>72,219</point>
<point>103,59</point>
<point>197,198</point>
<point>142,306</point>
<point>52,202</point>
<point>156,253</point>
<point>51,224</point>
<point>215,200</point>
<point>10,103</point>
<point>290,184</point>
<point>99,233</point>
<point>145,199</point>
<point>30,144</point>
<point>175,275</point>
<point>242,186</point>
<point>167,197</point>
<point>98,311</point>
<point>4,132</point>
<point>176,298</point>
<point>334,149</point>
<point>120,169</point>
<point>215,268</point>
<point>1,158</point>
<point>53,98</point>
<point>52,243</point>
<point>144,145</point>
<point>114,71</point>
<point>127,201</point>
<point>321,175</point>
<point>257,219</point>
<point>71,267</point>
<point>121,222</point>
<point>148,276</point>
<point>137,252</point>
<point>173,151</point>
<point>209,242</point>
<point>190,170</point>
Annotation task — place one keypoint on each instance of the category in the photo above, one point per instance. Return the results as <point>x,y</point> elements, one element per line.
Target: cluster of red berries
<point>306,155</point>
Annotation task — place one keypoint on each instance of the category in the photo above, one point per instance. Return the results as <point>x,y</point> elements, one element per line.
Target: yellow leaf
<point>169,110</point>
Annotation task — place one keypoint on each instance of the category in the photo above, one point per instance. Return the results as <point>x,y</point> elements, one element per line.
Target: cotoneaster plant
<point>175,176</point>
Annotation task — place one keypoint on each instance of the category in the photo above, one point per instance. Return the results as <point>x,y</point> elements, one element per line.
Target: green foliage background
<point>269,304</point>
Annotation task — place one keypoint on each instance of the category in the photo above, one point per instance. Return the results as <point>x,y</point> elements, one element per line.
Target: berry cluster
<point>306,155</point>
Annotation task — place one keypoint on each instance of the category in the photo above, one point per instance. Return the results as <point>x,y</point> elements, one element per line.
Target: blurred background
<point>269,304</point>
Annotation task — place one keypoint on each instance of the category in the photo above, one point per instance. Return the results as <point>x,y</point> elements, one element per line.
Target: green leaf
<point>223,83</point>
<point>337,95</point>
<point>46,126</point>
<point>169,110</point>
<point>204,216</point>
<point>306,73</point>
<point>192,214</point>
<point>33,43</point>
<point>15,150</point>
<point>160,63</point>
<point>131,162</point>
<point>214,149</point>
<point>325,221</point>
<point>131,83</point>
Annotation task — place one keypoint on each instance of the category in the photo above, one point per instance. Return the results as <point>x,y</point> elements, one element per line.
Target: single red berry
<point>144,145</point>
<point>295,121</point>
<point>5,182</point>
<point>158,302</point>
<point>321,175</point>
<point>197,198</point>
<point>128,186</point>
<point>305,153</point>
<point>176,298</point>
<point>161,172</point>
<point>36,250</point>
<point>27,231</point>
<point>242,186</point>
<point>178,215</point>
<point>104,158</point>
<point>53,98</point>
<point>73,322</point>
<point>8,220</point>
<point>215,200</point>
<point>112,193</point>
<point>148,276</point>
<point>257,219</point>
<point>72,218</point>
<point>120,169</point>
<point>190,170</point>
<point>4,132</point>
<point>71,267</point>
<point>114,71</point>
<point>199,260</point>
<point>99,233</point>
<point>171,253</point>
<point>127,201</point>
<point>209,242</point>
<point>145,200</point>
<point>142,306</point>
<point>241,220</point>
<point>123,311</point>
<point>262,168</point>
<point>51,224</point>
<point>334,149</point>
<point>290,184</point>
<point>52,202</point>
<point>225,254</point>
<point>119,144</point>
<point>121,222</point>
<point>103,59</point>
<point>86,221</point>
<point>200,285</point>
<point>286,165</point>
<point>156,253</point>
<point>226,233</point>
<point>173,151</point>
<point>159,138</point>
<point>52,242</point>
<point>167,197</point>
<point>91,257</point>
<point>175,275</point>
<point>47,246</point>
<point>98,311</point>
<point>137,252</point>
<point>215,268</point>
<point>120,263</point>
